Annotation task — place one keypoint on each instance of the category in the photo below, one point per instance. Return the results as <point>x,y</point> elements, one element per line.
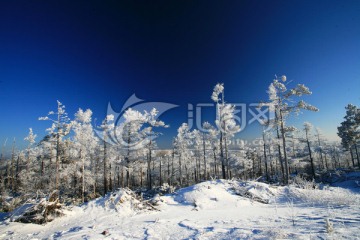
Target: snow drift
<point>221,209</point>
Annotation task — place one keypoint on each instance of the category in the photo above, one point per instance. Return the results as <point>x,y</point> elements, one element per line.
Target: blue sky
<point>89,53</point>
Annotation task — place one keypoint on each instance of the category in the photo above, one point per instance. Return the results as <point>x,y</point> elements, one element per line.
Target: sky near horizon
<point>87,54</point>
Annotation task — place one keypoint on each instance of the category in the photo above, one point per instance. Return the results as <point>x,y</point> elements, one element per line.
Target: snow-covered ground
<point>209,210</point>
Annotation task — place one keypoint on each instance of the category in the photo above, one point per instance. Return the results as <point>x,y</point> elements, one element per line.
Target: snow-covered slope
<point>209,210</point>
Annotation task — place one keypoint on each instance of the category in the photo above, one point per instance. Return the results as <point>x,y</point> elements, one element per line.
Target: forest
<point>78,164</point>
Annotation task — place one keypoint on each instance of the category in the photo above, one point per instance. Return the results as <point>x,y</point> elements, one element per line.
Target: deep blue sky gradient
<point>89,53</point>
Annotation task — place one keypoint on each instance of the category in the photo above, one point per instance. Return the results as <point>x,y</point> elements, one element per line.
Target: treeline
<point>81,161</point>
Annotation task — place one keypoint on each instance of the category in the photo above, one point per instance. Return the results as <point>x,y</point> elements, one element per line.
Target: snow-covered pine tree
<point>107,127</point>
<point>225,121</point>
<point>282,103</point>
<point>151,122</point>
<point>28,175</point>
<point>349,131</point>
<point>86,143</point>
<point>182,143</point>
<point>197,152</point>
<point>60,127</point>
<point>132,139</point>
<point>31,139</point>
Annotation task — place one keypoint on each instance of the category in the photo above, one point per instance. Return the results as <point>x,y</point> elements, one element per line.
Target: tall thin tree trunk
<point>227,158</point>
<point>122,176</point>
<point>17,172</point>
<point>275,170</point>
<point>180,170</point>
<point>8,175</point>
<point>321,154</point>
<point>118,176</point>
<point>160,174</point>
<point>114,179</point>
<point>334,158</point>
<point>222,156</point>
<point>199,165</point>
<point>310,155</point>
<point>336,155</point>
<point>58,150</point>
<point>149,170</point>
<point>260,165</point>
<point>204,152</point>
<point>141,176</point>
<point>357,155</point>
<point>28,160</point>
<point>83,177</point>
<point>195,175</point>
<point>13,167</point>
<point>127,159</point>
<point>279,149</point>
<point>105,167</point>
<point>352,157</point>
<point>326,163</point>
<point>215,165</point>
<point>253,167</point>
<point>42,169</point>
<point>168,171</point>
<point>172,167</point>
<point>57,163</point>
<point>284,148</point>
<point>265,159</point>
<point>110,178</point>
<point>97,160</point>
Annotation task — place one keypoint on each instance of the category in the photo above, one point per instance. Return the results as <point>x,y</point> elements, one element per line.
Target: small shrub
<point>302,182</point>
<point>166,188</point>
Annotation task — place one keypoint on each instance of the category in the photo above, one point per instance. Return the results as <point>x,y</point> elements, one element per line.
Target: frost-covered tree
<point>252,157</point>
<point>45,157</point>
<point>349,131</point>
<point>60,127</point>
<point>265,155</point>
<point>132,138</point>
<point>107,128</point>
<point>307,128</point>
<point>28,174</point>
<point>86,143</point>
<point>208,137</point>
<point>31,140</point>
<point>11,177</point>
<point>282,103</point>
<point>225,121</point>
<point>151,123</point>
<point>318,136</point>
<point>182,143</point>
<point>136,134</point>
<point>198,152</point>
